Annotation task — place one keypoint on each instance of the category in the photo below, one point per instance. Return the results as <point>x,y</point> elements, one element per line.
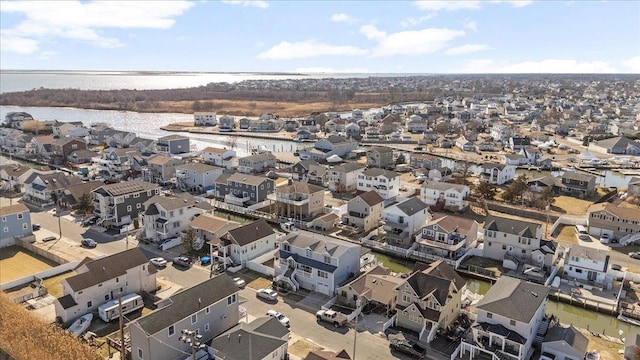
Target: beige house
<point>429,299</point>
<point>374,288</point>
<point>298,200</point>
<point>380,157</point>
<point>448,236</point>
<point>620,223</point>
<point>364,211</point>
<point>101,280</point>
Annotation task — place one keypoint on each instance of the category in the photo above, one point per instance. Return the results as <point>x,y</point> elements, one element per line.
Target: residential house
<point>197,177</point>
<point>16,142</point>
<point>497,174</point>
<point>578,184</point>
<point>166,217</point>
<point>501,132</point>
<point>417,126</point>
<point>587,266</point>
<point>617,145</point>
<point>10,174</point>
<point>257,163</point>
<point>565,343</point>
<point>510,315</point>
<point>315,262</point>
<point>110,137</point>
<point>618,222</point>
<point>161,169</point>
<point>157,335</point>
<point>429,299</point>
<point>326,222</point>
<point>42,188</point>
<point>487,145</point>
<point>352,131</point>
<point>380,157</point>
<point>263,338</point>
<point>14,119</point>
<point>327,355</point>
<point>205,119</point>
<point>517,143</point>
<point>145,146</point>
<point>298,200</point>
<point>447,236</point>
<point>243,189</point>
<point>540,183</point>
<point>373,289</point>
<point>244,243</point>
<point>442,174</point>
<point>465,145</point>
<point>173,144</point>
<point>301,170</point>
<point>227,123</point>
<point>218,157</point>
<point>97,281</point>
<point>385,182</point>
<point>208,228</point>
<point>343,177</point>
<point>428,162</point>
<point>79,157</point>
<point>120,203</point>
<point>115,163</point>
<point>403,220</point>
<point>631,346</point>
<point>450,196</point>
<point>364,211</point>
<point>633,187</point>
<point>332,145</point>
<point>73,195</point>
<point>42,146</point>
<point>63,147</point>
<point>16,223</point>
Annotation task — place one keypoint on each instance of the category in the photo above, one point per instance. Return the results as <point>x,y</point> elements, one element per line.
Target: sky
<point>322,36</point>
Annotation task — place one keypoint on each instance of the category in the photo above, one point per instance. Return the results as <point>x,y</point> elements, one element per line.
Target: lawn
<point>566,234</point>
<point>53,285</point>
<point>301,348</point>
<point>16,262</point>
<point>494,266</point>
<point>570,205</point>
<point>260,283</point>
<point>607,349</point>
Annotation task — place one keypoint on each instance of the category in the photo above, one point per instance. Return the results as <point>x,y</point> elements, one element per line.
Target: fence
<point>257,264</point>
<point>389,323</point>
<point>44,253</point>
<point>40,275</point>
<point>568,220</point>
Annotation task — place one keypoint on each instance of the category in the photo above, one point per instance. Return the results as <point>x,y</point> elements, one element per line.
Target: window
<point>286,247</point>
<point>504,247</point>
<point>128,207</point>
<point>89,304</point>
<point>20,216</point>
<point>24,226</point>
<point>327,259</point>
<point>206,326</point>
<point>6,229</point>
<point>140,354</point>
<point>172,330</point>
<point>231,299</point>
<point>512,322</point>
<point>489,315</point>
<point>138,206</point>
<point>207,310</point>
<point>136,195</point>
<point>106,297</point>
<point>194,319</point>
<point>322,274</point>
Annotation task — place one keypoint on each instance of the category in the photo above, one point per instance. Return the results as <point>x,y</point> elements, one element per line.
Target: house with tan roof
<point>374,288</point>
<point>447,236</point>
<point>40,188</point>
<point>620,223</point>
<point>160,169</point>
<point>10,174</point>
<point>364,211</point>
<point>218,157</point>
<point>167,216</point>
<point>298,200</point>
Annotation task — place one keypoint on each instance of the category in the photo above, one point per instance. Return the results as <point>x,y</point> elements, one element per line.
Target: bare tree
<point>230,142</point>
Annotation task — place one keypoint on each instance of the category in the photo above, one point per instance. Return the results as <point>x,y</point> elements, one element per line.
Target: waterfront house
<point>380,157</point>
<point>205,118</point>
<point>63,147</point>
<point>403,220</point>
<point>110,137</point>
<point>15,223</point>
<point>332,145</point>
<point>157,335</point>
<point>81,157</point>
<point>465,145</point>
<point>97,281</point>
<point>243,189</point>
<point>487,145</point>
<point>429,300</point>
<point>417,126</point>
<point>257,163</point>
<point>40,188</point>
<point>172,145</point>
<point>298,200</point>
<point>264,338</point>
<point>300,170</point>
<point>565,343</point>
<point>587,266</point>
<point>375,288</point>
<point>447,236</point>
<point>244,123</point>
<point>14,119</point>
<point>326,222</point>
<point>540,183</point>
<point>197,177</point>
<point>315,262</point>
<point>218,157</point>
<point>120,203</point>
<point>577,184</point>
<point>450,196</point>
<point>617,145</point>
<point>145,146</point>
<point>633,187</point>
<point>385,182</point>
<point>16,142</point>
<point>11,175</point>
<point>426,161</point>
<point>442,174</point>
<point>42,146</point>
<point>227,123</point>
<point>160,169</point>
<point>244,243</point>
<point>343,177</point>
<point>497,174</point>
<point>619,223</point>
<point>364,211</point>
<point>517,143</point>
<point>167,216</point>
<point>510,315</point>
<point>115,163</point>
<point>631,346</point>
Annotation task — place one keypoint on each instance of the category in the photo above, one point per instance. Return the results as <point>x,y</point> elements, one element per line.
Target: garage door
<point>323,288</point>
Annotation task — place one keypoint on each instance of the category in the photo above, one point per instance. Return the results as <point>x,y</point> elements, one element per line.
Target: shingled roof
<point>514,299</point>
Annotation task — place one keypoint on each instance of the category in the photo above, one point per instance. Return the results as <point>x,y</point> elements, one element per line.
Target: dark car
<point>406,347</point>
<point>35,227</point>
<point>90,221</point>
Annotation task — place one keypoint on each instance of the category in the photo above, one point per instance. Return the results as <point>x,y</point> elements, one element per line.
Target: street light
<point>192,339</point>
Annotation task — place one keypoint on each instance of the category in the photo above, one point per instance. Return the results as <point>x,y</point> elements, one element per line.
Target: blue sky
<point>323,36</point>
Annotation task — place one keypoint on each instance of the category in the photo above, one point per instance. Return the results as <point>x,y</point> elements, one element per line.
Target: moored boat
<point>81,324</point>
<point>629,320</point>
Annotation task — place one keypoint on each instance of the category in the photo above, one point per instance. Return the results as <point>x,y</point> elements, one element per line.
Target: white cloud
<point>472,25</point>
<point>548,66</point>
<point>330,70</point>
<point>309,49</point>
<point>468,48</point>
<point>514,3</point>
<point>342,17</point>
<point>245,3</point>
<point>447,5</point>
<point>633,64</point>
<point>81,20</point>
<point>423,41</point>
<point>45,55</point>
<point>411,21</point>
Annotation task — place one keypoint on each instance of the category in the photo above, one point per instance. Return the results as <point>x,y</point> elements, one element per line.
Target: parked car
<point>283,319</point>
<point>49,238</point>
<point>616,267</point>
<point>635,255</point>
<point>406,347</point>
<point>205,260</point>
<point>182,261</point>
<point>90,221</point>
<point>90,243</point>
<point>267,294</point>
<point>605,238</point>
<point>336,318</point>
<point>158,261</point>
<point>35,227</point>
<point>239,281</point>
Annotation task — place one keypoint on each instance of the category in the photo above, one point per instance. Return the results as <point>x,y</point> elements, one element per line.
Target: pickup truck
<point>331,316</point>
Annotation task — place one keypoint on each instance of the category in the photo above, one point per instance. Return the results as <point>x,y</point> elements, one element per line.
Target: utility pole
<point>355,329</point>
<point>123,354</point>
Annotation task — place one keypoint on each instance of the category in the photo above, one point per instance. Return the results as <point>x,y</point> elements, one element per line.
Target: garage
<point>323,288</point>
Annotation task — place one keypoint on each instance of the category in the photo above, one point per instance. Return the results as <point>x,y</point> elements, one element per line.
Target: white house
<point>315,262</point>
<point>403,220</point>
<point>343,177</point>
<point>587,264</point>
<point>218,157</point>
<point>197,177</point>
<point>497,174</point>
<point>205,119</point>
<point>385,182</point>
<point>451,195</point>
<point>245,243</point>
<point>509,318</point>
<point>166,217</point>
<point>565,343</point>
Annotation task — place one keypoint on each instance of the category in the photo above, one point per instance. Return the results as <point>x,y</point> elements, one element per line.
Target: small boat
<point>629,320</point>
<point>81,324</point>
<point>592,355</point>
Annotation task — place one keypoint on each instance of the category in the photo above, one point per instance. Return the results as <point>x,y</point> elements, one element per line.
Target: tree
<point>485,190</point>
<point>401,159</point>
<point>84,204</point>
<point>230,142</point>
<point>188,239</point>
<point>548,196</point>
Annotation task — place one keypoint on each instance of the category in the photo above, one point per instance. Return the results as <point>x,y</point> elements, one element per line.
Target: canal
<point>568,314</point>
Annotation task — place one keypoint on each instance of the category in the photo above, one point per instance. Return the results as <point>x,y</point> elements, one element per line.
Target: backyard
<point>16,263</point>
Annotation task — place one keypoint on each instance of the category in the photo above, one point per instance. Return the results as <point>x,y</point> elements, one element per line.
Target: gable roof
<point>188,301</point>
<point>297,187</point>
<point>435,279</point>
<point>511,226</point>
<point>107,268</point>
<point>211,224</point>
<point>377,284</point>
<point>13,209</point>
<point>371,197</point>
<point>621,212</point>
<point>247,179</point>
<point>412,206</point>
<point>248,233</point>
<point>255,340</point>
<point>327,355</point>
<point>443,186</point>
<point>176,201</point>
<point>572,336</point>
<point>127,187</point>
<point>380,172</point>
<point>451,223</point>
<point>514,299</point>
<point>589,253</point>
<point>574,175</point>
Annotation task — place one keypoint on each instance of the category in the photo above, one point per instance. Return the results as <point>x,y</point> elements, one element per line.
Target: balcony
<point>394,224</point>
<point>292,199</point>
<point>402,235</point>
<point>236,200</point>
<point>357,215</point>
<point>449,244</point>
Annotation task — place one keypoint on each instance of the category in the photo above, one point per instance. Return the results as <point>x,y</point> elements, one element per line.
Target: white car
<point>283,319</point>
<point>267,294</point>
<point>158,261</point>
<point>239,281</point>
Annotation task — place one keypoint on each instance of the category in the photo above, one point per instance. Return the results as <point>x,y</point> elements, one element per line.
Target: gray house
<point>243,189</point>
<point>209,309</point>
<point>173,144</point>
<point>257,163</point>
<point>262,339</point>
<point>120,203</point>
<point>16,222</point>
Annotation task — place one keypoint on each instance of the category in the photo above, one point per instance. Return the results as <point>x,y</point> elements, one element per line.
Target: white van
<point>582,233</point>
